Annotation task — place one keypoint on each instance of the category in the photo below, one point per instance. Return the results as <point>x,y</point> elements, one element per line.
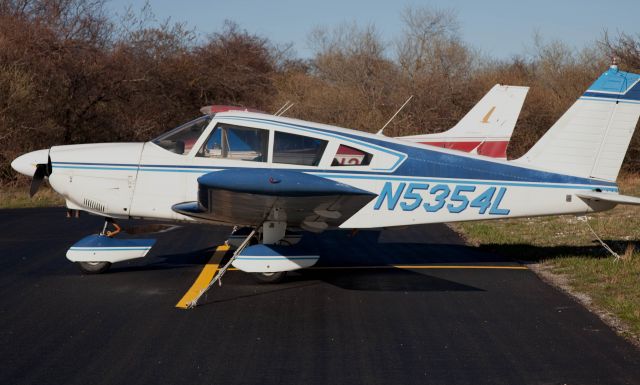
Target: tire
<point>93,267</point>
<point>270,277</point>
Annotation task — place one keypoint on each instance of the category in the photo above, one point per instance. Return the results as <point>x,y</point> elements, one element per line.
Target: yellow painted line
<point>421,267</point>
<point>460,267</point>
<point>478,267</point>
<point>206,275</point>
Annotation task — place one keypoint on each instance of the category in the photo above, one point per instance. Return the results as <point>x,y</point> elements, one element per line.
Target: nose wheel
<point>93,267</point>
<point>99,267</point>
<point>270,277</point>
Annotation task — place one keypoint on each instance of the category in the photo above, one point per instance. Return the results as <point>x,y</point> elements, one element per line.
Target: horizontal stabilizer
<point>609,197</point>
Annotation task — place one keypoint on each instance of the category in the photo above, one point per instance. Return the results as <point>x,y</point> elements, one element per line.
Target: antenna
<point>394,115</point>
<point>281,108</point>
<point>286,109</point>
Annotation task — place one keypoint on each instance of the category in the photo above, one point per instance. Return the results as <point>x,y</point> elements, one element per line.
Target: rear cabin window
<point>297,149</point>
<point>349,156</point>
<point>237,143</point>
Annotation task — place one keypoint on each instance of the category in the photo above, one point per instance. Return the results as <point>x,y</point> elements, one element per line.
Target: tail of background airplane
<point>592,137</point>
<point>487,128</point>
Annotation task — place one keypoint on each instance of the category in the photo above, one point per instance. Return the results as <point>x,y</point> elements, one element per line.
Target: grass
<point>565,246</point>
<point>14,197</point>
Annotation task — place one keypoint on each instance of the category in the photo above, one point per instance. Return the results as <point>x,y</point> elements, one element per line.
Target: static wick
<point>394,115</point>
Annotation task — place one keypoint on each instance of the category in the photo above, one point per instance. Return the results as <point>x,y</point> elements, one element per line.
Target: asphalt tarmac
<point>452,319</point>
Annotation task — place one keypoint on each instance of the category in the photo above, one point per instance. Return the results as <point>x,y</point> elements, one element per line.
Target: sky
<point>498,28</point>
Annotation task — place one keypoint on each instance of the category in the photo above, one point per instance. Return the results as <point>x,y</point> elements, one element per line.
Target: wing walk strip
<point>211,268</point>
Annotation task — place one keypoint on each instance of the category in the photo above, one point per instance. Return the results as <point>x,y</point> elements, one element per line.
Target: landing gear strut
<point>218,277</point>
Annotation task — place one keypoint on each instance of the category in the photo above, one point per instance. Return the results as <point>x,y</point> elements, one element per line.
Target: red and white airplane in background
<point>486,129</point>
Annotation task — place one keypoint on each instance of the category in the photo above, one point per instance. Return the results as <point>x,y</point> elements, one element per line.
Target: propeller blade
<point>38,177</point>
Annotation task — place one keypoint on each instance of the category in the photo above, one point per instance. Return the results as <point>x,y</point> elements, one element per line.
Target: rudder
<point>592,137</point>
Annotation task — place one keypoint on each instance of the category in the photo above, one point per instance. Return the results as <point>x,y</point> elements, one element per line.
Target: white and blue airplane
<point>275,174</point>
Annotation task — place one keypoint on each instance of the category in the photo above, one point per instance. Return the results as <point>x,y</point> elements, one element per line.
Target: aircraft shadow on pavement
<point>385,280</point>
<point>363,263</point>
<point>532,253</point>
<point>164,262</point>
<point>374,280</point>
<point>340,249</point>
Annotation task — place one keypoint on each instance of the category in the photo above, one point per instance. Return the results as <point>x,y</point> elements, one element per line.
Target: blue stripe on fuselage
<point>334,174</point>
<point>425,162</point>
<point>418,163</point>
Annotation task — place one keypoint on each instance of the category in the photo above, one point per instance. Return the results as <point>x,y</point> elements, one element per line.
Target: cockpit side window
<point>297,149</point>
<point>180,140</point>
<point>349,156</point>
<point>236,142</point>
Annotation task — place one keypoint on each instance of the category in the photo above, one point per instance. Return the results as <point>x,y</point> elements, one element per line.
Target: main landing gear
<point>239,234</point>
<point>263,254</point>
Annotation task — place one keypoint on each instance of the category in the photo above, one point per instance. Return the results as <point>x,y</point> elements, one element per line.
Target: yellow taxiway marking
<point>479,267</point>
<point>459,267</point>
<point>206,275</point>
<point>210,269</point>
<point>421,267</point>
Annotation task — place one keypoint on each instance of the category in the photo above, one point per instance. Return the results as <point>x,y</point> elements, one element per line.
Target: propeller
<point>42,170</point>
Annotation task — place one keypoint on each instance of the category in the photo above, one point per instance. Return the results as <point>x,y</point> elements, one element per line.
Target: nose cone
<point>26,164</point>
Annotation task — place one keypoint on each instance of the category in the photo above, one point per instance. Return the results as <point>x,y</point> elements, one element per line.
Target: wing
<point>609,197</point>
<point>248,197</point>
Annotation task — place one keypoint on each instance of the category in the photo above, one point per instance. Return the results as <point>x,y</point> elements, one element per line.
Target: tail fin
<point>486,129</point>
<point>592,137</point>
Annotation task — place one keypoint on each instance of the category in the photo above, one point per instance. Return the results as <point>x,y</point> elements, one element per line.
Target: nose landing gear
<point>93,267</point>
<point>94,254</point>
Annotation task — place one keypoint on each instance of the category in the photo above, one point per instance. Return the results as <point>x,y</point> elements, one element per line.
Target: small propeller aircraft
<point>275,175</point>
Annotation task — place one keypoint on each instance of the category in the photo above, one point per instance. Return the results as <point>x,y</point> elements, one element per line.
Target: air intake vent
<point>94,205</point>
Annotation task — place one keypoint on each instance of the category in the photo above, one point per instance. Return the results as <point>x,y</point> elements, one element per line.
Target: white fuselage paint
<point>143,180</point>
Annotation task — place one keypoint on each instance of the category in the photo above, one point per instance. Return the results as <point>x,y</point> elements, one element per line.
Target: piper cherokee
<point>276,175</point>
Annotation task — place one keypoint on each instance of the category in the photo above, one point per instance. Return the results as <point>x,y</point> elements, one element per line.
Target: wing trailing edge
<point>609,197</point>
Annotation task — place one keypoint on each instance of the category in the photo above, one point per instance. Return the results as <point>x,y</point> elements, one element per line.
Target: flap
<point>609,197</point>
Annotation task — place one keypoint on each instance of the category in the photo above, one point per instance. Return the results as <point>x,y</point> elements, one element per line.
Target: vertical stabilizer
<point>486,129</point>
<point>592,137</point>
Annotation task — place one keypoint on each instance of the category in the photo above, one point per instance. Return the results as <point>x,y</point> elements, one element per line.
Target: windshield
<point>180,140</point>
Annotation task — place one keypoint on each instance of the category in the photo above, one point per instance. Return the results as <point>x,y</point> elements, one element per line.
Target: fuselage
<point>414,184</point>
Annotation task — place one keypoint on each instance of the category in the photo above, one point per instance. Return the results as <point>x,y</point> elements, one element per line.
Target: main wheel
<point>94,267</point>
<point>270,277</point>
